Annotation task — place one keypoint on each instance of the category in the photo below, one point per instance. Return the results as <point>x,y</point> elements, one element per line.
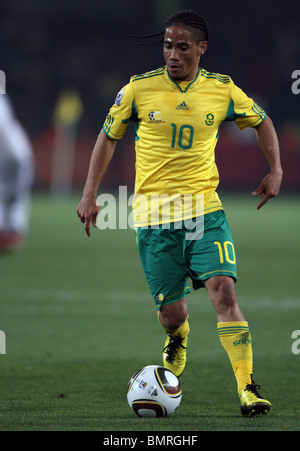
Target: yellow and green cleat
<point>174,354</point>
<point>252,403</point>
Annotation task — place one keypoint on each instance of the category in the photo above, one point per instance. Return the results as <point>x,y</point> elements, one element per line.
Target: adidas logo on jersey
<point>182,106</point>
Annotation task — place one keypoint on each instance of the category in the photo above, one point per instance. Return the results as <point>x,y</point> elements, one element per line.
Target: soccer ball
<point>154,392</point>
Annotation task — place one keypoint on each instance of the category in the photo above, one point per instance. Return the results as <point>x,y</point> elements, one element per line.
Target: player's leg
<point>16,177</point>
<point>236,339</point>
<point>232,328</point>
<point>221,290</point>
<point>212,263</point>
<point>174,319</point>
<point>162,255</point>
<point>173,316</point>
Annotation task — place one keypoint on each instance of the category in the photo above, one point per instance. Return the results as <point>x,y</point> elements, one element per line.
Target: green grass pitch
<point>79,321</point>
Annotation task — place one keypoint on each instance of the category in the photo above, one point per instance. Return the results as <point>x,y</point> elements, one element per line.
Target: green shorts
<point>173,253</point>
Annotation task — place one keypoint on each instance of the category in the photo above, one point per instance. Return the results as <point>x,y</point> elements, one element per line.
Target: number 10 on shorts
<point>226,252</point>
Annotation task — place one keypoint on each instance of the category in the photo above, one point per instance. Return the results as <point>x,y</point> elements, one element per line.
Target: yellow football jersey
<point>176,132</point>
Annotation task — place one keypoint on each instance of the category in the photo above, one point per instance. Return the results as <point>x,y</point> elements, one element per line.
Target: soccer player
<point>16,178</point>
<point>177,111</point>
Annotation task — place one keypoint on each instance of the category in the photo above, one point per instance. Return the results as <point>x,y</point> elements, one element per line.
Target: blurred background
<point>66,60</point>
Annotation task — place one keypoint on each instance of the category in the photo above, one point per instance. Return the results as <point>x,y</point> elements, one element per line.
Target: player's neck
<point>189,78</point>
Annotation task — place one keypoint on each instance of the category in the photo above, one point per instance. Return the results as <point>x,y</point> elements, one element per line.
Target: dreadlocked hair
<point>191,20</point>
<point>188,19</point>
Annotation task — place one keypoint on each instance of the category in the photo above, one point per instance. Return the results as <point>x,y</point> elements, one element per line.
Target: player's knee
<point>225,296</point>
<point>174,316</point>
<point>172,322</point>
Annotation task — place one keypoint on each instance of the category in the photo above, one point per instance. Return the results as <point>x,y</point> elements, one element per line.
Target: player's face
<point>182,54</point>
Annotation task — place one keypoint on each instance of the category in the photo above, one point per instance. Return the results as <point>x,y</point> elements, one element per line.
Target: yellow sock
<point>236,340</point>
<point>182,331</point>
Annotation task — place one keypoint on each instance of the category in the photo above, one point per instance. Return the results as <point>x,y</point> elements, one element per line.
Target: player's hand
<point>87,211</point>
<point>269,187</point>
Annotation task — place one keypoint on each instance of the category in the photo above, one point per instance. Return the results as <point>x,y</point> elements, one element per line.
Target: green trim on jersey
<point>151,74</point>
<point>231,114</point>
<point>222,78</point>
<point>178,86</point>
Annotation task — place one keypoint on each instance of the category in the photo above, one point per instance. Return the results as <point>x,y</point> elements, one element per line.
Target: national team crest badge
<point>210,119</point>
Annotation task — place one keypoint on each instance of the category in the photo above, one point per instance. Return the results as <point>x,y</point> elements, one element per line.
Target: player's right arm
<point>87,209</point>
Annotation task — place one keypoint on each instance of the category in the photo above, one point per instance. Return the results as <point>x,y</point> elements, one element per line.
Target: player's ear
<point>202,47</point>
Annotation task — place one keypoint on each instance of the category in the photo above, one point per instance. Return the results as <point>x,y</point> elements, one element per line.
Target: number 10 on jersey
<point>182,136</point>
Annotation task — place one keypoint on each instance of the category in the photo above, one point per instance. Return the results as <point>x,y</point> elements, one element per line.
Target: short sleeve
<point>243,110</point>
<point>120,114</point>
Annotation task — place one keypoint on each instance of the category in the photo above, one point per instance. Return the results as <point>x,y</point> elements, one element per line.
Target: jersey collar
<point>175,85</point>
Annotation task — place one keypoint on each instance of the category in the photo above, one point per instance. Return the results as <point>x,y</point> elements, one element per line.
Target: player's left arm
<point>268,142</point>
